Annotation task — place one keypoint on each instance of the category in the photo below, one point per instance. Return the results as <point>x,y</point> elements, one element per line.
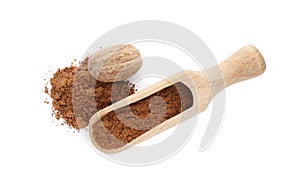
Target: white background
<point>259,140</point>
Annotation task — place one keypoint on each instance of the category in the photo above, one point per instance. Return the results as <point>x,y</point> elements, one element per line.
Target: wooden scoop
<point>246,63</point>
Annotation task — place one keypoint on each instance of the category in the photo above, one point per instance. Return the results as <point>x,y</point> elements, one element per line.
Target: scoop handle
<point>244,64</point>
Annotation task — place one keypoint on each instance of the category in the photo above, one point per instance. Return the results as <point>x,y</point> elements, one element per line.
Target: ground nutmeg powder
<point>123,125</point>
<point>76,95</point>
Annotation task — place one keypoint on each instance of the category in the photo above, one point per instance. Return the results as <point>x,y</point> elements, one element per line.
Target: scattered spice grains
<point>76,95</point>
<point>123,125</point>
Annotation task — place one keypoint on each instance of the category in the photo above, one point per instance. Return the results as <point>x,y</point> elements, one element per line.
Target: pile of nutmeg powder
<point>76,95</point>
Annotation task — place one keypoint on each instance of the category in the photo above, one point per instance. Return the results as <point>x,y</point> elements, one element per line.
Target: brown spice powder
<point>76,95</point>
<point>125,124</point>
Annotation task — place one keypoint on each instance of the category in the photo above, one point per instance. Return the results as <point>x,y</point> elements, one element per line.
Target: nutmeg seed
<point>115,63</point>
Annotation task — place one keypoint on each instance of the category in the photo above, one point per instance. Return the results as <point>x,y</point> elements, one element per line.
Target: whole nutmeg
<point>115,63</point>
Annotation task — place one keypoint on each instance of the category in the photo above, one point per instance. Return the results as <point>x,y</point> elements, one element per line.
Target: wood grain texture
<point>245,64</point>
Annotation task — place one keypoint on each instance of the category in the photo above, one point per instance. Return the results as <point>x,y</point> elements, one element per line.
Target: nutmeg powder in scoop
<point>123,125</point>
